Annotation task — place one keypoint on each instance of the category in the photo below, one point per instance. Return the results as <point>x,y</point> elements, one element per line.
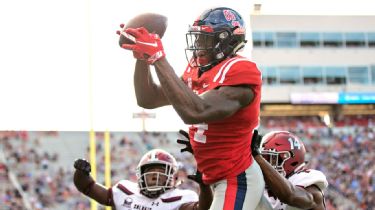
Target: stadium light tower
<point>144,116</point>
<point>257,8</point>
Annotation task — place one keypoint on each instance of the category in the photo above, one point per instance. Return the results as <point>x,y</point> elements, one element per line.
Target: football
<point>154,23</point>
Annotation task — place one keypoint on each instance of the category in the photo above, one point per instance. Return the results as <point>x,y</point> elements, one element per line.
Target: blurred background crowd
<point>36,168</point>
<point>318,81</point>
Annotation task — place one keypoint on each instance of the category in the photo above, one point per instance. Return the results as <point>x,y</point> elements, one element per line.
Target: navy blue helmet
<point>220,32</point>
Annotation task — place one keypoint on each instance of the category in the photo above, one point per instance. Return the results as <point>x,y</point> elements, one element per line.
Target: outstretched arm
<point>213,105</point>
<point>149,95</point>
<point>205,199</point>
<point>86,184</point>
<point>305,198</point>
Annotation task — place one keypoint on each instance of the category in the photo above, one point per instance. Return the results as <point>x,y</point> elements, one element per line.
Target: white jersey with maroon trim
<point>127,196</point>
<point>304,178</point>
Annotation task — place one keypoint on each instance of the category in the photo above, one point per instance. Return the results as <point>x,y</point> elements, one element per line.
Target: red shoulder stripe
<point>171,199</point>
<point>124,189</point>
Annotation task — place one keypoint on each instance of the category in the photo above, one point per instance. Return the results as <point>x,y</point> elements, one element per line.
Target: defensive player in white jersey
<point>155,190</point>
<point>289,184</point>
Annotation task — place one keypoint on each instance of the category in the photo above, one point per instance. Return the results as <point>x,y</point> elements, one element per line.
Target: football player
<point>156,188</point>
<point>289,184</point>
<point>218,94</point>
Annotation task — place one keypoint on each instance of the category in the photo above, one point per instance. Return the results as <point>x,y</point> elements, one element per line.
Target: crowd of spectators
<point>37,173</point>
<point>354,120</point>
<point>346,157</point>
<point>349,164</point>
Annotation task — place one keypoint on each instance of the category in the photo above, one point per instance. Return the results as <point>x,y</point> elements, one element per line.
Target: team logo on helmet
<point>218,33</point>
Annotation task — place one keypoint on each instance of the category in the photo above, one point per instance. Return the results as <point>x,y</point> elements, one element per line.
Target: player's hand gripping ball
<point>152,22</point>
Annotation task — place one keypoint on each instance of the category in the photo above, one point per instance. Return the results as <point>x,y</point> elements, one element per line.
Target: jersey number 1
<point>199,135</point>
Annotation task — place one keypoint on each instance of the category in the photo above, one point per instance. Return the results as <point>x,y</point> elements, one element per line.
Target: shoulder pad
<point>309,177</point>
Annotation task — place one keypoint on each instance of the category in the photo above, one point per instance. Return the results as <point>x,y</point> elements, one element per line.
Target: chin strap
<point>298,168</point>
<point>207,67</point>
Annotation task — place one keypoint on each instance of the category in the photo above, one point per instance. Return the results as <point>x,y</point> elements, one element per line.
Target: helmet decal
<point>222,30</point>
<point>284,151</point>
<point>228,14</point>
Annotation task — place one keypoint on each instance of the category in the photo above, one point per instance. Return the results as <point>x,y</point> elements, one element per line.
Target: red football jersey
<point>222,148</point>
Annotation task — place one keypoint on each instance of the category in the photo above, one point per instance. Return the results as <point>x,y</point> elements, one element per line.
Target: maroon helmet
<point>284,151</point>
<point>161,159</point>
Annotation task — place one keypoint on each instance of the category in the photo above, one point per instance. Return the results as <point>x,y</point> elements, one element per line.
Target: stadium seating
<point>42,161</point>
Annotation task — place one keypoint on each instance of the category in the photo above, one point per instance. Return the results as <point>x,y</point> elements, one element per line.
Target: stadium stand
<point>41,162</point>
